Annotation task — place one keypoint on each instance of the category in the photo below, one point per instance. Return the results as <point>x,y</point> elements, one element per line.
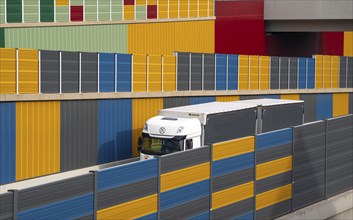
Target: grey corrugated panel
<point>341,173</point>
<point>309,107</point>
<point>308,185</point>
<point>88,217</point>
<point>273,182</point>
<point>70,72</point>
<point>309,198</point>
<point>89,72</point>
<point>232,179</point>
<point>56,191</point>
<point>184,159</point>
<point>233,210</point>
<point>273,153</point>
<point>225,122</point>
<point>339,163</point>
<point>79,134</point>
<point>209,72</point>
<point>282,116</point>
<point>183,71</point>
<point>293,73</point>
<point>126,193</point>
<point>6,202</point>
<point>309,170</point>
<point>283,72</point>
<point>187,210</point>
<point>343,72</point>
<point>196,71</point>
<point>175,102</point>
<point>339,136</point>
<point>275,211</point>
<point>50,71</point>
<point>310,157</point>
<point>309,137</point>
<point>350,73</point>
<point>274,74</point>
<point>339,186</point>
<point>350,103</point>
<point>248,97</point>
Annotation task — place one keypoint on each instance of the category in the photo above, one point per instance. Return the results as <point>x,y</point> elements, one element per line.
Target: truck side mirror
<point>189,144</point>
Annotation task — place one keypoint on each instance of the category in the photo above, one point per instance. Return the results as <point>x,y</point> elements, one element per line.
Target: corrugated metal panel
<point>117,10</point>
<point>243,72</point>
<point>273,139</point>
<point>309,107</point>
<point>232,164</point>
<point>274,196</point>
<point>173,8</point>
<point>30,11</point>
<point>141,12</point>
<point>350,73</point>
<point>202,99</point>
<point>7,142</point>
<point>274,82</point>
<point>79,134</point>
<point>209,72</point>
<point>91,10</point>
<point>70,72</point>
<point>2,11</point>
<point>183,8</point>
<point>340,104</point>
<point>232,72</point>
<point>154,215</point>
<point>124,74</point>
<point>302,73</point>
<point>106,72</point>
<point>196,72</point>
<point>232,179</point>
<point>248,97</point>
<point>47,11</point>
<point>274,153</point>
<point>228,98</point>
<point>221,71</point>
<point>151,108</point>
<point>163,9</point>
<point>139,73</point>
<point>232,195</point>
<point>50,71</point>
<point>172,102</point>
<point>165,38</point>
<point>89,72</point>
<point>169,74</point>
<point>7,71</point>
<point>254,72</point>
<point>273,167</point>
<point>335,71</point>
<point>62,2</point>
<point>114,130</point>
<point>348,45</point>
<point>37,139</point>
<point>274,211</point>
<point>311,73</point>
<point>273,182</point>
<point>129,12</point>
<point>343,72</point>
<point>323,106</point>
<point>6,201</point>
<point>293,73</point>
<point>104,10</point>
<point>14,11</point>
<point>76,13</point>
<point>107,38</point>
<point>291,96</point>
<point>183,71</point>
<point>28,71</point>
<point>350,103</point>
<point>62,13</point>
<point>327,71</point>
<point>154,73</point>
<point>235,210</point>
<point>283,72</point>
<point>319,71</point>
<point>264,73</point>
<point>233,147</point>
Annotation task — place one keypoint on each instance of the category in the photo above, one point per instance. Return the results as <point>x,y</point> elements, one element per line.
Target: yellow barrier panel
<point>211,8</point>
<point>7,71</point>
<point>273,167</point>
<point>169,75</point>
<point>183,7</point>
<point>233,148</point>
<point>185,176</point>
<point>173,8</point>
<point>327,71</point>
<point>243,72</point>
<point>348,44</point>
<point>274,196</point>
<point>203,8</point>
<point>318,72</point>
<point>264,73</point>
<point>129,12</point>
<point>139,73</point>
<point>232,195</point>
<point>163,9</point>
<point>193,8</point>
<point>154,73</point>
<point>254,72</point>
<point>290,96</point>
<point>28,71</point>
<point>335,63</point>
<point>227,98</point>
<point>340,104</point>
<point>62,2</point>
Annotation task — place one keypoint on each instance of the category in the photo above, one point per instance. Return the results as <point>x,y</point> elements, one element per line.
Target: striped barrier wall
<point>233,179</point>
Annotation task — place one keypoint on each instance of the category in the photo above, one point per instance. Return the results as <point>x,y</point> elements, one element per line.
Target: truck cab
<point>164,135</point>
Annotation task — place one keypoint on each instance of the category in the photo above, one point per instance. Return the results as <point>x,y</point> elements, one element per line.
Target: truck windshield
<point>157,146</point>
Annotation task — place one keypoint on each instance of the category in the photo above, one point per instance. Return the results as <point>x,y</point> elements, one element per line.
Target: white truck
<point>193,126</point>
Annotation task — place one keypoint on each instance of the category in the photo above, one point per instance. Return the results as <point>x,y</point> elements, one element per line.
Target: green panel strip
<point>76,2</point>
<point>90,10</point>
<point>31,11</point>
<point>104,10</point>
<point>2,11</point>
<point>117,10</point>
<point>47,11</point>
<point>140,12</point>
<point>62,13</point>
<point>14,11</point>
<point>2,37</point>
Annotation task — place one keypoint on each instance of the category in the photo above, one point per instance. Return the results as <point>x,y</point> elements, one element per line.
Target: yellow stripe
<point>243,72</point>
<point>28,71</point>
<point>348,44</point>
<point>273,167</point>
<point>154,73</point>
<point>318,71</point>
<point>233,147</point>
<point>335,63</point>
<point>340,104</point>
<point>185,176</point>
<point>264,73</point>
<point>139,74</point>
<point>129,12</point>
<point>169,75</point>
<point>327,72</point>
<point>273,196</point>
<point>7,71</point>
<point>227,98</point>
<point>254,72</point>
<point>130,210</point>
<point>290,96</point>
<point>232,195</point>
<point>62,2</point>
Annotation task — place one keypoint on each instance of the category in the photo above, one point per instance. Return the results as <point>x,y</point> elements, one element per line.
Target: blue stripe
<point>114,130</point>
<point>232,164</point>
<point>247,216</point>
<point>152,216</point>
<point>323,106</point>
<point>302,73</point>
<point>106,72</point>
<point>202,99</point>
<point>201,216</point>
<point>7,142</point>
<point>128,173</point>
<point>311,73</point>
<point>221,71</point>
<point>232,72</point>
<point>124,73</point>
<point>67,209</point>
<point>185,194</point>
<point>273,139</point>
<point>271,96</point>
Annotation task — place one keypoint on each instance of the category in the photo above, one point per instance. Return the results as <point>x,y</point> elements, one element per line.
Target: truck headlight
<point>145,128</point>
<point>180,129</point>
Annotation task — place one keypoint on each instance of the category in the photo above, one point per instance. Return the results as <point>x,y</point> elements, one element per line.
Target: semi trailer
<point>193,126</point>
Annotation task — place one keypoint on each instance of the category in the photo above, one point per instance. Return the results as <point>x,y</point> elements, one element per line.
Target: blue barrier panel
<point>310,73</point>
<point>221,71</point>
<point>232,72</point>
<point>323,106</point>
<point>202,99</point>
<point>232,164</point>
<point>106,72</point>
<point>273,139</point>
<point>123,83</point>
<point>302,73</point>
